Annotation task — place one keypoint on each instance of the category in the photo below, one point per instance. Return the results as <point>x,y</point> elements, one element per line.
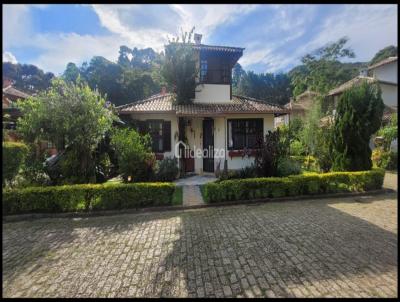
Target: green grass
<point>177,197</point>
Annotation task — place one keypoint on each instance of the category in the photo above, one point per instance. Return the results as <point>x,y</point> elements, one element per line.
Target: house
<point>217,128</point>
<point>385,74</point>
<point>297,107</point>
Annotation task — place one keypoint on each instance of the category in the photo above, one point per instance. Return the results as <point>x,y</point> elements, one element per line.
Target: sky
<point>275,37</point>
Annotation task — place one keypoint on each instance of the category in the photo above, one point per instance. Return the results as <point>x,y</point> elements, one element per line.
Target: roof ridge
<point>257,100</point>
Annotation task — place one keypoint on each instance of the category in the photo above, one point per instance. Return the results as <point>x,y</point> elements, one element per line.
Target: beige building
<point>216,128</point>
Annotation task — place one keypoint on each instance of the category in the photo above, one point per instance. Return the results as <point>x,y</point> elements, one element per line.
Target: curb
<point>21,217</point>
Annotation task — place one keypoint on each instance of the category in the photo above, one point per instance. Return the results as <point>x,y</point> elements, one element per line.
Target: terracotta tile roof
<point>355,81</point>
<point>163,103</point>
<point>303,101</point>
<point>383,62</point>
<point>15,92</point>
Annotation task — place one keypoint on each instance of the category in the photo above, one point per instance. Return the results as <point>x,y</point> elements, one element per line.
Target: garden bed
<point>306,184</point>
<point>88,197</point>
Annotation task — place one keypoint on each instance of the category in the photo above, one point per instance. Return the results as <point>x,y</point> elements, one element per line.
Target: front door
<point>208,145</point>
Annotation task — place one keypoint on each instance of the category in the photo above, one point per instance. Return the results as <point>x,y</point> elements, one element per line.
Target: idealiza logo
<point>183,150</point>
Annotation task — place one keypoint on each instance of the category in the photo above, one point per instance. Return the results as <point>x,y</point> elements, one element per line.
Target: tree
<point>71,116</point>
<point>71,73</point>
<point>179,69</point>
<point>358,116</point>
<point>389,132</point>
<point>322,69</point>
<point>28,78</point>
<point>136,162</point>
<point>389,51</point>
<point>310,131</point>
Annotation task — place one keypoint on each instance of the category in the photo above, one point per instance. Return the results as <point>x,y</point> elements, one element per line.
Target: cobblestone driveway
<point>313,248</point>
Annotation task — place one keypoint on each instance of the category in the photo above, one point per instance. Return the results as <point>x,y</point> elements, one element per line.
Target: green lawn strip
<point>177,197</point>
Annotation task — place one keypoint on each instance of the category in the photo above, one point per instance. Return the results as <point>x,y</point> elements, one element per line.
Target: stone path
<point>345,247</point>
<point>192,196</point>
<point>390,181</point>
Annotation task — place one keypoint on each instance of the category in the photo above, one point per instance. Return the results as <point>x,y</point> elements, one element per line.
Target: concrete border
<point>33,216</point>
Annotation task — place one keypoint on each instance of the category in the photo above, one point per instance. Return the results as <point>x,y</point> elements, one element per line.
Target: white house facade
<point>216,128</point>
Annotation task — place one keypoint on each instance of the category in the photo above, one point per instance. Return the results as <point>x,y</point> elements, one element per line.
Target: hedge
<point>14,155</point>
<point>86,197</point>
<point>305,184</point>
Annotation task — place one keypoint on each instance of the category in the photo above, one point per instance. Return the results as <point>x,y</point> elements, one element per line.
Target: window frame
<point>158,136</point>
<point>257,129</point>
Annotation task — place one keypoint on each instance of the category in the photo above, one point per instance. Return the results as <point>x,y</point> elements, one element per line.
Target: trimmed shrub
<point>89,197</point>
<point>306,184</point>
<point>167,169</point>
<point>14,155</point>
<point>287,166</point>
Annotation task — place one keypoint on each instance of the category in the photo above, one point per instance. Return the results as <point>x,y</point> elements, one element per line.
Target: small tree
<point>310,131</point>
<point>70,115</point>
<point>179,68</point>
<point>271,150</point>
<point>389,132</point>
<point>358,116</point>
<point>136,162</point>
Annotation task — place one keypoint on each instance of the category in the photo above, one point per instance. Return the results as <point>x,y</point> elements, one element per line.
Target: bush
<point>384,159</point>
<point>89,197</point>
<point>287,166</point>
<point>14,155</point>
<point>136,162</point>
<point>307,163</point>
<point>246,172</point>
<point>297,148</point>
<point>167,169</point>
<point>308,184</point>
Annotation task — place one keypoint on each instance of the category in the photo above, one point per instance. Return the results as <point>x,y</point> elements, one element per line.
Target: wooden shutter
<point>166,132</point>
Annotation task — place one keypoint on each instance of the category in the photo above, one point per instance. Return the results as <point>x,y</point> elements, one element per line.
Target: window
<point>159,131</point>
<point>244,133</point>
<point>155,129</point>
<point>203,70</point>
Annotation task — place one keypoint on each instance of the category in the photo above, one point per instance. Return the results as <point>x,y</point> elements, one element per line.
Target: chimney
<point>197,38</point>
<point>163,90</point>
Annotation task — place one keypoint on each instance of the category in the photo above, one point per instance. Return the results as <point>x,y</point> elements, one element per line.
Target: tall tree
<point>358,116</point>
<point>26,77</point>
<point>179,69</point>
<point>322,69</point>
<point>71,73</point>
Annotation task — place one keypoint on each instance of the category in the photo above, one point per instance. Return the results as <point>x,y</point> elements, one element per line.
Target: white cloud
<point>9,57</point>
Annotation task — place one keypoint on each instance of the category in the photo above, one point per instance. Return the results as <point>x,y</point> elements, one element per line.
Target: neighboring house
<point>385,74</point>
<point>223,125</point>
<point>297,107</point>
<point>11,114</point>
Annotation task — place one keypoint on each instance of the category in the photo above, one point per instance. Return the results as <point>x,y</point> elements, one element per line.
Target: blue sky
<point>275,36</point>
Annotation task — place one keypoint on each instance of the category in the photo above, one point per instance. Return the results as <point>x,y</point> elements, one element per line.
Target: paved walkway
<point>195,180</point>
<point>390,181</point>
<point>192,196</point>
<point>343,247</point>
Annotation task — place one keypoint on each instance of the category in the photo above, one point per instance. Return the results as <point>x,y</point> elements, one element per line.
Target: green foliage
<point>27,77</point>
<point>177,197</point>
<point>70,115</point>
<point>297,148</point>
<point>87,197</point>
<point>321,70</point>
<point>287,166</point>
<point>179,69</point>
<point>389,132</point>
<point>272,149</point>
<point>296,126</point>
<point>274,88</point>
<point>14,155</point>
<point>167,169</point>
<point>358,116</point>
<point>311,129</point>
<point>270,187</point>
<point>246,172</point>
<point>384,159</point>
<point>136,162</point>
<point>388,51</point>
